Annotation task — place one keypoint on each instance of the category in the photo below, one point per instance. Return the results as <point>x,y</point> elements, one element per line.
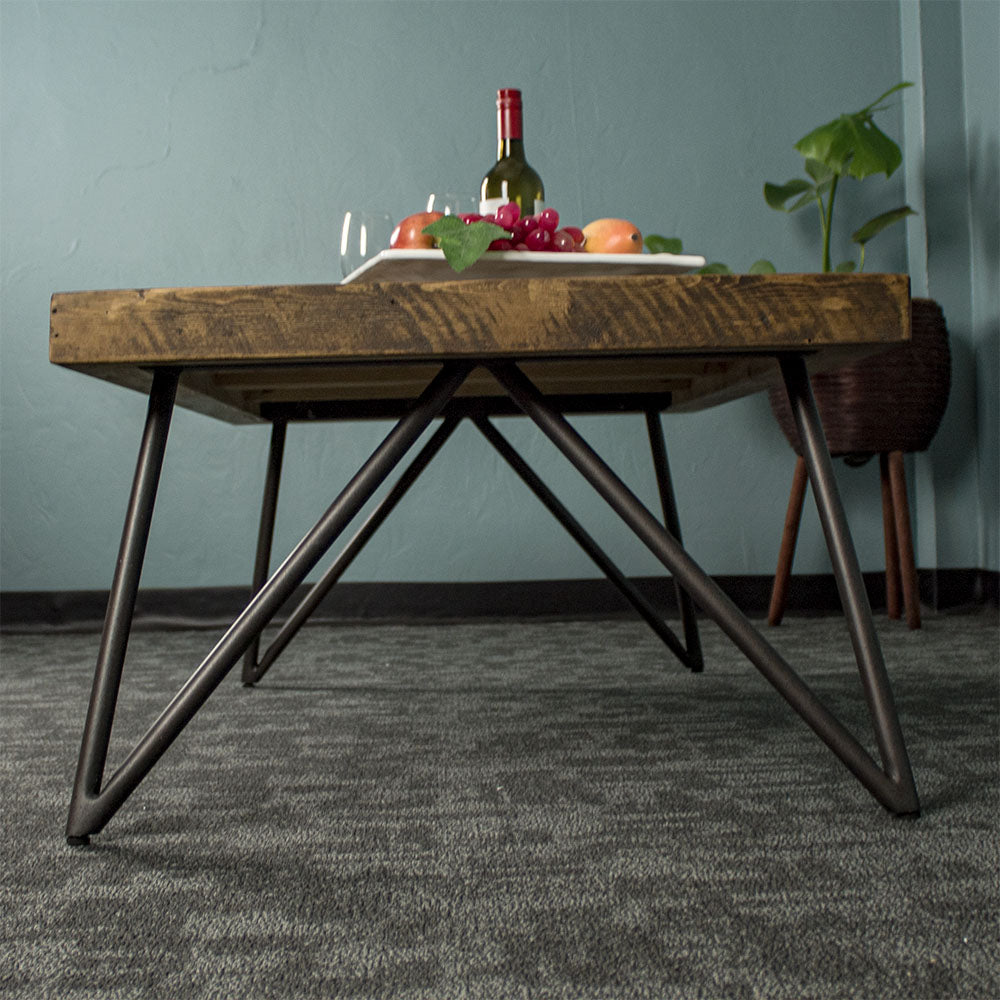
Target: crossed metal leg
<point>93,804</point>
<point>688,651</point>
<point>892,784</point>
<point>254,668</point>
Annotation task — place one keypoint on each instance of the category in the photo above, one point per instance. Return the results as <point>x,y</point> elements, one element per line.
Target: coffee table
<point>417,350</point>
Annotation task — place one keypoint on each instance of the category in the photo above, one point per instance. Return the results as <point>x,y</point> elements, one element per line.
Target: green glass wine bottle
<point>511,179</point>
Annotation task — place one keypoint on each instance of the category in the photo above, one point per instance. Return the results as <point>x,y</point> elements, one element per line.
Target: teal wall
<point>952,143</point>
<point>981,64</point>
<point>155,143</point>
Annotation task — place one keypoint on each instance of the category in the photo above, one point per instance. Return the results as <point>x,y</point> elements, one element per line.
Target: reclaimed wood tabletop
<point>699,339</point>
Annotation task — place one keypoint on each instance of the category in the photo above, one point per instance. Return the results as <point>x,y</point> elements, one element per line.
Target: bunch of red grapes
<point>533,232</point>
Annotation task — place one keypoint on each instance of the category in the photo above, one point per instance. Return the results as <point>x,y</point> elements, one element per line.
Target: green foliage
<point>663,244</point>
<point>874,226</point>
<point>463,244</point>
<point>849,146</point>
<point>853,144</point>
<point>671,244</point>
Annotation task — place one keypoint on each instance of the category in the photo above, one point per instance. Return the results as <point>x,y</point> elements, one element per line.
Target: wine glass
<point>453,204</point>
<point>362,236</point>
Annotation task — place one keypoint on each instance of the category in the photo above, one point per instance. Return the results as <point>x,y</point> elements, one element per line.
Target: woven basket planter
<point>892,401</point>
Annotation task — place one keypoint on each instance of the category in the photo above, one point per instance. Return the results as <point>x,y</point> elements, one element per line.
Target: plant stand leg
<point>790,535</point>
<point>904,539</point>
<point>892,581</point>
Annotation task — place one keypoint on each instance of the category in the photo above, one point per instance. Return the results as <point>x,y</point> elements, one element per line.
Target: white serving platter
<point>430,265</point>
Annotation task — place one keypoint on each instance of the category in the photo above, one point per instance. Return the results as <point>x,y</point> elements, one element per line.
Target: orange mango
<point>612,236</point>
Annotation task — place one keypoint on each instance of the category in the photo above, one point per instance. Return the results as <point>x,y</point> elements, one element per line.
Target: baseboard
<point>211,607</point>
<point>945,589</point>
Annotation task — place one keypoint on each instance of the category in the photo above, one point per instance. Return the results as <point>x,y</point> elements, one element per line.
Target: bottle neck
<point>510,149</point>
<point>510,140</point>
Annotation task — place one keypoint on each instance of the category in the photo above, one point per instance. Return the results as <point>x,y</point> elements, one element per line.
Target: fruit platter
<point>429,246</point>
<point>430,265</point>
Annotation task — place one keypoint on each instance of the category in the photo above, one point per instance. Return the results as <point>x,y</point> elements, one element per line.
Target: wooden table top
<point>703,339</point>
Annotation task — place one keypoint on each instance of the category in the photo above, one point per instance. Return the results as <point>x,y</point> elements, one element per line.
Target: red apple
<point>408,235</point>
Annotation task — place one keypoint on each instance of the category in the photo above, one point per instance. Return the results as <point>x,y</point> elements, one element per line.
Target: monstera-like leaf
<point>849,146</point>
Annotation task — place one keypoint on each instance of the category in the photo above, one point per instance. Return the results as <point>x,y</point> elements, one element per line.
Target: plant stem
<point>826,219</point>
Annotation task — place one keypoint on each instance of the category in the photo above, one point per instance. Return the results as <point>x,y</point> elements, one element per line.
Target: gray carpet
<point>550,810</point>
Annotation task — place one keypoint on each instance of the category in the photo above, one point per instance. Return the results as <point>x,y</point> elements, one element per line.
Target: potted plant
<point>885,405</point>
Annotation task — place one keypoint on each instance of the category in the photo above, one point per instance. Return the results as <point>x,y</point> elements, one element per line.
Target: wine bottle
<point>511,179</point>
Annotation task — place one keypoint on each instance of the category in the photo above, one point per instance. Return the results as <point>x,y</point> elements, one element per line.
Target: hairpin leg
<point>91,805</point>
<point>894,786</point>
<point>121,602</point>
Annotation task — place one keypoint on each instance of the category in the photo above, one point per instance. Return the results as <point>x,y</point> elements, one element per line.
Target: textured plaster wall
<point>220,143</point>
<point>952,170</point>
<point>981,45</point>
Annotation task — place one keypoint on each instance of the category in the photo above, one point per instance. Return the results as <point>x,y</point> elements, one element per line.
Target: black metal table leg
<point>372,523</point>
<point>265,534</point>
<point>672,521</point>
<point>634,596</point>
<point>121,602</point>
<point>893,787</point>
<point>92,806</point>
<point>847,572</point>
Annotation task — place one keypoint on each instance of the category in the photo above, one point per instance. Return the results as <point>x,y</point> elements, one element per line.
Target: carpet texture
<point>501,810</point>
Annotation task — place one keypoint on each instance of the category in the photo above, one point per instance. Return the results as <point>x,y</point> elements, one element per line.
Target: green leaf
<point>447,225</point>
<point>845,267</point>
<point>777,194</point>
<point>762,267</point>
<point>809,198</point>
<point>663,244</point>
<point>853,144</point>
<point>874,152</point>
<point>715,268</point>
<point>877,105</point>
<point>819,172</point>
<point>874,226</point>
<point>463,244</point>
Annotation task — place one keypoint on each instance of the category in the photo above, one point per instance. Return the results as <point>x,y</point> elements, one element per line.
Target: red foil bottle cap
<point>509,113</point>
